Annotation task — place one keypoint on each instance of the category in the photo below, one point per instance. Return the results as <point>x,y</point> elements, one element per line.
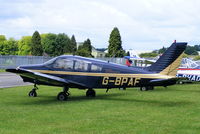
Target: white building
<point>136,53</point>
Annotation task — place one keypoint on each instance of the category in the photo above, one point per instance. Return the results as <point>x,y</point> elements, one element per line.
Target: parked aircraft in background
<point>137,61</point>
<point>190,70</point>
<point>87,73</point>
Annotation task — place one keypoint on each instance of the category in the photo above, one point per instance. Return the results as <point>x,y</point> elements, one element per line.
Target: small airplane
<point>190,70</point>
<point>70,71</point>
<point>138,61</point>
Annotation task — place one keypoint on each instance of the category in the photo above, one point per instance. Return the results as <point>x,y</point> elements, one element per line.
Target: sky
<point>143,24</point>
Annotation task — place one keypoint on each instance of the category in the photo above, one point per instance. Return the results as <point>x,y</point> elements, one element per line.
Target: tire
<point>32,94</point>
<point>90,93</point>
<point>181,82</point>
<point>62,96</point>
<point>143,88</point>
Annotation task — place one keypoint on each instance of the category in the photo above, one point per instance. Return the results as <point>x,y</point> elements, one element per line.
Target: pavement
<point>11,80</point>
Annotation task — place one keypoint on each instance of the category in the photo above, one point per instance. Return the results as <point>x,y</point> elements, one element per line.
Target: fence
<point>15,61</point>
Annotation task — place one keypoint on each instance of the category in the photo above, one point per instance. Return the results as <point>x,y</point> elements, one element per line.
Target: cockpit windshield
<point>49,62</point>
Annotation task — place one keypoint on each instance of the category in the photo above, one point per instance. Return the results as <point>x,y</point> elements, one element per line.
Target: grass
<point>173,110</point>
<point>2,70</point>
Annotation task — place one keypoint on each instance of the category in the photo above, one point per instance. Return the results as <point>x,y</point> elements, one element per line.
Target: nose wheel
<point>33,92</point>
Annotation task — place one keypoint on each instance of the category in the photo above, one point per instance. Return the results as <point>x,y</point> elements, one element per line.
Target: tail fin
<point>169,62</point>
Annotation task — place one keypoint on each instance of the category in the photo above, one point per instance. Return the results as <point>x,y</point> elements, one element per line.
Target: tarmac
<point>11,80</point>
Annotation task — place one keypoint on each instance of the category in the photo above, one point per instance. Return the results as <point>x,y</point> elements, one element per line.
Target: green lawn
<point>2,70</point>
<point>175,109</point>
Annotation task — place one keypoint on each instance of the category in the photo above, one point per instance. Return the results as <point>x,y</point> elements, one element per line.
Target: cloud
<point>143,24</point>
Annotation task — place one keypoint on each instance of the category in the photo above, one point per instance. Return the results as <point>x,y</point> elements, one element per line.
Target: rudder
<point>169,62</point>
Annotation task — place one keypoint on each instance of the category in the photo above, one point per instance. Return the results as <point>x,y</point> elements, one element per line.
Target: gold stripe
<point>150,76</point>
<point>172,69</point>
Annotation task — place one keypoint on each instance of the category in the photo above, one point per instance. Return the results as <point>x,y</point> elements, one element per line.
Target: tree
<point>115,44</point>
<point>162,50</point>
<point>1,47</point>
<point>2,42</point>
<point>24,45</point>
<point>190,50</point>
<point>49,43</point>
<point>197,47</point>
<point>87,46</point>
<point>2,38</point>
<point>128,53</point>
<point>145,55</point>
<point>36,46</point>
<point>62,41</point>
<point>68,48</point>
<point>83,52</point>
<point>85,49</point>
<point>9,47</point>
<point>73,44</point>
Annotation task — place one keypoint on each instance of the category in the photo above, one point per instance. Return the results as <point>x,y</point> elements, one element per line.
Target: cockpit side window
<point>81,65</point>
<point>96,68</point>
<point>66,64</point>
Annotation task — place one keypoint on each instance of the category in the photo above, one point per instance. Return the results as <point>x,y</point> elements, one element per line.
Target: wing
<point>46,79</point>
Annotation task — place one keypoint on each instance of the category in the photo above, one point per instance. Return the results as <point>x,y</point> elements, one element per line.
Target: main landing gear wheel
<point>63,96</point>
<point>143,89</point>
<point>90,93</point>
<point>146,88</point>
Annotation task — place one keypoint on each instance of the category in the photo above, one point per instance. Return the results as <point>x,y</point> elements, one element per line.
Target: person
<point>128,62</point>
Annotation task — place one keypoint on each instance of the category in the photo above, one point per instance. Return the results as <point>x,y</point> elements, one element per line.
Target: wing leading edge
<point>40,78</point>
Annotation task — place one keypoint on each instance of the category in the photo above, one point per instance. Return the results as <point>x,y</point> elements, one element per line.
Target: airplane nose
<point>11,70</point>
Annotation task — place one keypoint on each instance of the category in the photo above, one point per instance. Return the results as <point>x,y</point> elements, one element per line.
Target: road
<point>11,80</point>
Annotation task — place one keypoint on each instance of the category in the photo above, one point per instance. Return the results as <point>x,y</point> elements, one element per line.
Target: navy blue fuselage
<point>92,73</point>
